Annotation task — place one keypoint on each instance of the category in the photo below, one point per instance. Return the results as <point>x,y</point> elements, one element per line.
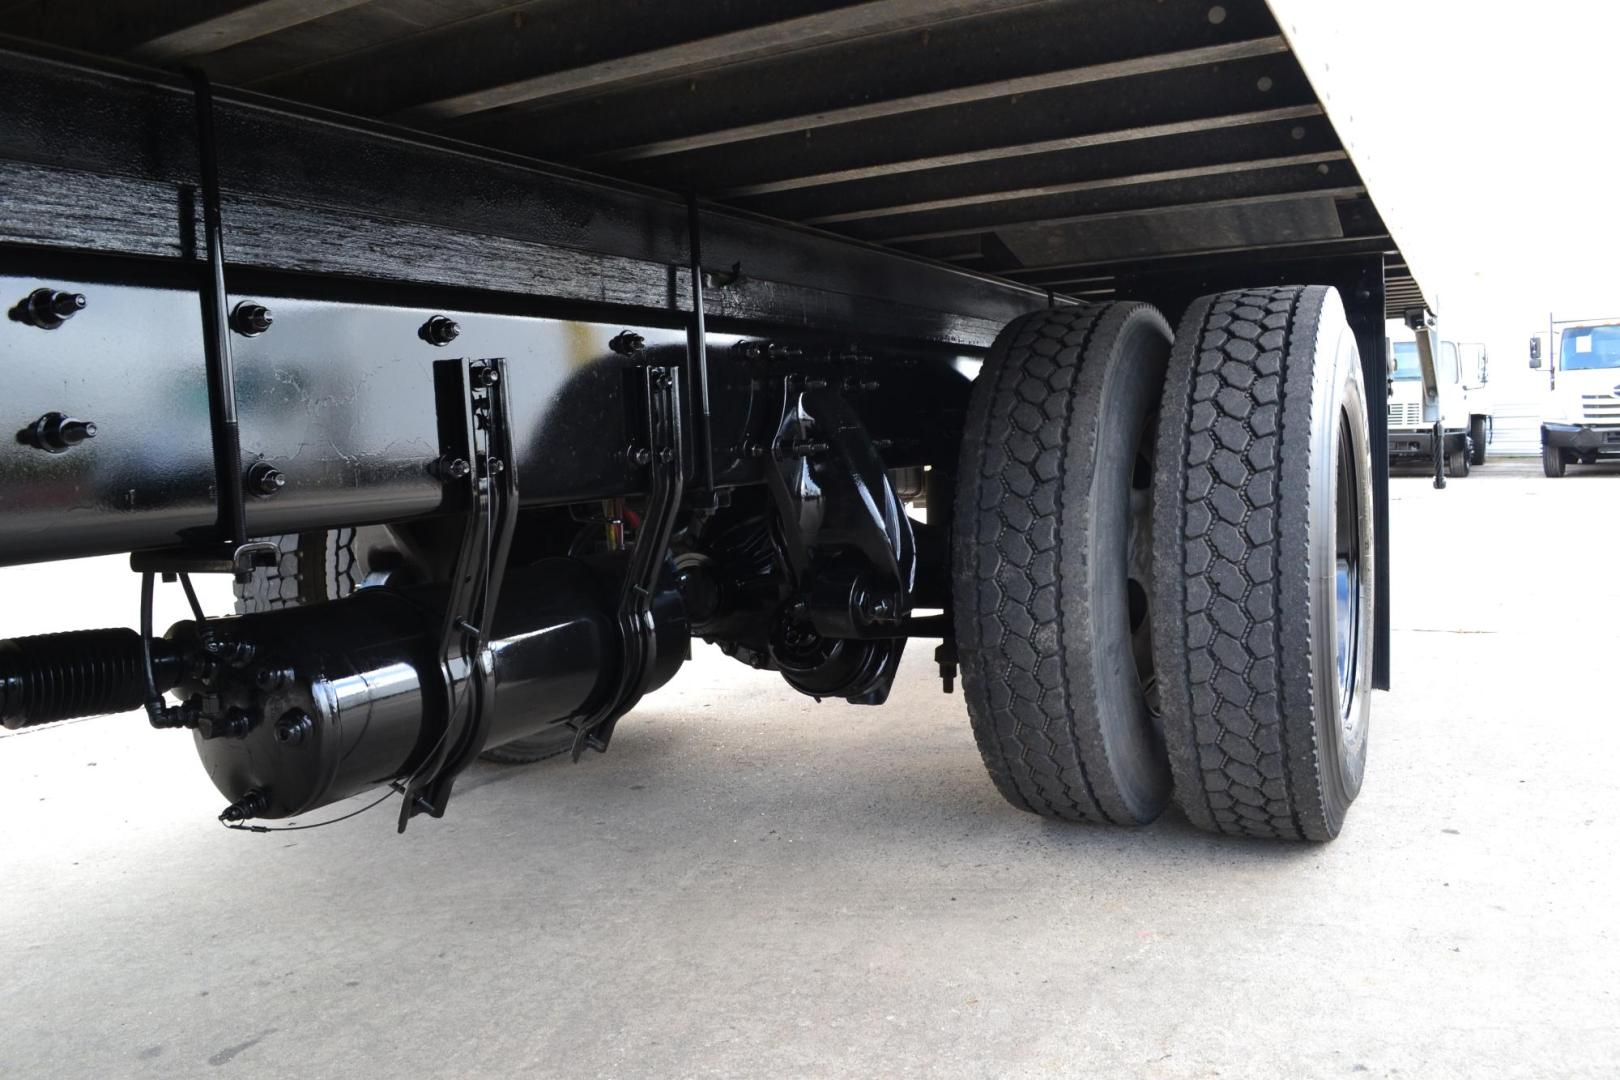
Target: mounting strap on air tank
<point>476,463</point>
<point>634,615</point>
<point>666,488</point>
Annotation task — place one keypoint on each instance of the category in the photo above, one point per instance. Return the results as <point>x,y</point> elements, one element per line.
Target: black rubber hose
<point>50,677</point>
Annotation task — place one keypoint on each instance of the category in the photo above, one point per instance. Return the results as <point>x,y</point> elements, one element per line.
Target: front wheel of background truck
<point>1050,548</point>
<point>1552,461</point>
<point>320,566</point>
<point>1479,434</point>
<point>1263,550</point>
<point>1457,461</point>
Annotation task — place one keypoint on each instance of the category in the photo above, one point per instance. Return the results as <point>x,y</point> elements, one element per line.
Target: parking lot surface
<point>753,885</point>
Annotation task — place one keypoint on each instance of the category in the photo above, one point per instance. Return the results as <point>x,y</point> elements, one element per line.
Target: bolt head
<point>439,330</point>
<point>234,724</point>
<point>269,678</point>
<point>250,319</point>
<point>67,304</point>
<point>264,479</point>
<point>50,308</point>
<point>294,727</point>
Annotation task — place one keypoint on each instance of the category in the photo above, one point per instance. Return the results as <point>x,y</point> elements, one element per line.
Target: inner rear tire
<point>1263,612</point>
<point>1050,591</point>
<point>318,566</point>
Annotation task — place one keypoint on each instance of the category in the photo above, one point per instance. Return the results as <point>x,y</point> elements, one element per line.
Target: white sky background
<point>1489,136</point>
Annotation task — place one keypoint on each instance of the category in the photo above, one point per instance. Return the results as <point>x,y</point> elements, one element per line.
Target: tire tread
<point>1024,626</point>
<point>1228,400</point>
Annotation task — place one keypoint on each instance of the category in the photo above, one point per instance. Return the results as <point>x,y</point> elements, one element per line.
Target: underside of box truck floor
<point>1069,146</point>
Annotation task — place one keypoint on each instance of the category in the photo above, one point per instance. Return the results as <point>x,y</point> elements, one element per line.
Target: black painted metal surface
<point>307,193</point>
<point>337,397</point>
<point>340,693</point>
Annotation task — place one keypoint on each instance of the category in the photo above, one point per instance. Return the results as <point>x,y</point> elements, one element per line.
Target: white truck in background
<point>1462,370</point>
<point>1582,423</point>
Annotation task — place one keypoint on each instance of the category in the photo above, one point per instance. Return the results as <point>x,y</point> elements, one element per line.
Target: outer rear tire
<point>1054,484</point>
<point>1457,462</point>
<point>320,566</point>
<point>1552,462</point>
<point>1264,553</point>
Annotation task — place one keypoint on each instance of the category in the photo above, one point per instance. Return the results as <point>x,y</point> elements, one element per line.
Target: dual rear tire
<point>1049,549</point>
<point>1163,562</point>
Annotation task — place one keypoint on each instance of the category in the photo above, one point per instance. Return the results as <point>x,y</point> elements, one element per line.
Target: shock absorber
<point>50,677</point>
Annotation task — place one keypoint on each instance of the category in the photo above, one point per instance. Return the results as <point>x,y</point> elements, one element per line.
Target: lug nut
<point>57,433</point>
<point>265,480</point>
<point>294,727</point>
<point>50,308</point>
<point>439,330</point>
<point>250,319</point>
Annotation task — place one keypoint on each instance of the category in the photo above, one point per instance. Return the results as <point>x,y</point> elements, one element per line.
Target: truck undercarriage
<point>485,443</point>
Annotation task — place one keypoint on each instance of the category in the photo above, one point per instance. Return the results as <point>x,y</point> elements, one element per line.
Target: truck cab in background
<point>1462,371</point>
<point>1582,423</point>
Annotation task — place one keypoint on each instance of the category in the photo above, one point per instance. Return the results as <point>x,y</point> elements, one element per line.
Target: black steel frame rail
<point>312,192</point>
<point>939,128</point>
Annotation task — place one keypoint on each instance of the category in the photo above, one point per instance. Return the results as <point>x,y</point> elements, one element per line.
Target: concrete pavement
<point>752,885</point>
